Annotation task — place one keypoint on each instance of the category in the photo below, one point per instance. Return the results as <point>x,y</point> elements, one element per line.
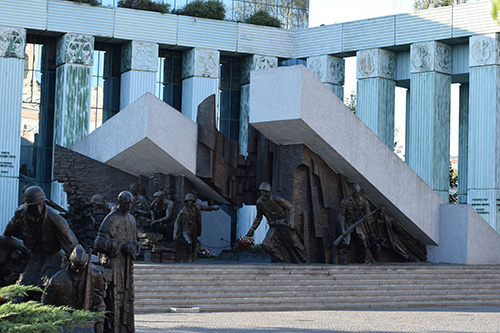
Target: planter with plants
<point>262,17</point>
<point>210,9</point>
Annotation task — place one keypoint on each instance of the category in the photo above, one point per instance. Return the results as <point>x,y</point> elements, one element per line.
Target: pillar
<point>74,60</point>
<point>463,143</point>
<point>12,48</point>
<point>484,127</point>
<point>248,64</point>
<point>330,70</point>
<point>428,145</point>
<point>139,64</point>
<point>376,89</point>
<point>200,78</point>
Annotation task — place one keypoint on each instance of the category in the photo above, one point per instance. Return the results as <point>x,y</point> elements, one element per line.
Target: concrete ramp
<point>289,105</point>
<point>148,136</point>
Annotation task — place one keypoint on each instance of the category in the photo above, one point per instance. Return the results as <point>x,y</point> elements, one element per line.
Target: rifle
<point>352,227</point>
<point>88,283</point>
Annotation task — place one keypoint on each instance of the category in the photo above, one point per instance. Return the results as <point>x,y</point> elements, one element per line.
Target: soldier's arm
<point>256,222</point>
<point>104,241</point>
<point>65,235</point>
<point>208,208</point>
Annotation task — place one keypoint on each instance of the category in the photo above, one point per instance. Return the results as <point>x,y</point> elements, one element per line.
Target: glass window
<point>97,91</point>
<point>228,113</point>
<point>169,78</point>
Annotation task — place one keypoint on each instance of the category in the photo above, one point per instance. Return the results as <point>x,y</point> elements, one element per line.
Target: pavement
<point>457,320</point>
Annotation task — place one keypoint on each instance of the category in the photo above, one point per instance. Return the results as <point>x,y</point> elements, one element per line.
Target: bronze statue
<point>117,246</point>
<point>45,233</point>
<point>140,209</point>
<point>79,286</point>
<point>187,228</point>
<point>94,216</point>
<point>13,257</point>
<point>282,241</point>
<point>162,208</point>
<point>354,208</point>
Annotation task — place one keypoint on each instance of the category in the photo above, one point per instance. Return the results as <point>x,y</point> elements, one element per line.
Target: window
<point>228,113</point>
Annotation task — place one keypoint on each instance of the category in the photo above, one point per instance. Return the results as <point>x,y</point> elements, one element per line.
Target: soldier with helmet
<point>187,228</point>
<point>117,245</point>
<point>282,241</point>
<point>45,233</point>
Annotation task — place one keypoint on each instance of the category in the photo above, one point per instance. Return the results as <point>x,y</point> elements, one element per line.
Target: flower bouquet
<point>244,243</point>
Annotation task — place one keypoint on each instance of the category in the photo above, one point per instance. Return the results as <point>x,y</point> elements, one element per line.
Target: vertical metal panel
<point>212,34</point>
<point>370,33</point>
<point>318,41</point>
<point>463,142</point>
<point>473,18</point>
<point>426,25</point>
<point>460,63</point>
<point>267,41</point>
<point>67,16</point>
<point>147,26</point>
<point>403,65</point>
<point>194,91</point>
<point>134,84</point>
<point>29,14</point>
<point>9,189</point>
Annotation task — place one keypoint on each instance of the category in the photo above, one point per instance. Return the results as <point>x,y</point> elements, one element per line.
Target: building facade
<point>66,68</point>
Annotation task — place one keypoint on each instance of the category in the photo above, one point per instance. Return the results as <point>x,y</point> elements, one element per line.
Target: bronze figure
<point>45,233</point>
<point>13,256</point>
<point>140,209</point>
<point>187,228</point>
<point>117,246</point>
<point>79,286</point>
<point>162,208</point>
<point>282,241</point>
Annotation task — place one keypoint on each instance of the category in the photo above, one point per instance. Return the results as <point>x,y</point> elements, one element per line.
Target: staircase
<point>274,287</point>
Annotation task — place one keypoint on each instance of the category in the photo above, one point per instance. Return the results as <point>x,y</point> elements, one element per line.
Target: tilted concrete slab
<point>148,136</point>
<point>465,238</point>
<point>289,105</point>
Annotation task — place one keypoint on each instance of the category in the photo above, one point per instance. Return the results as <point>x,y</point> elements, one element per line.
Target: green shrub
<point>150,5</point>
<point>211,9</point>
<point>33,316</point>
<point>262,17</point>
<point>90,2</point>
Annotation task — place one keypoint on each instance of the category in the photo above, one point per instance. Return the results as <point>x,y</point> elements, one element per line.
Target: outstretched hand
<point>128,249</point>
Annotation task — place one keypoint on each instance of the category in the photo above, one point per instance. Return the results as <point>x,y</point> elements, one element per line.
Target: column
<point>138,67</point>
<point>248,64</point>
<point>330,70</point>
<point>73,80</point>
<point>12,48</point>
<point>428,145</point>
<point>484,127</point>
<point>463,142</point>
<point>200,79</point>
<point>376,91</point>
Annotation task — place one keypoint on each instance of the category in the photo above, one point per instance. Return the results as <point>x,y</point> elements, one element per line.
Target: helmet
<point>265,187</point>
<point>78,255</point>
<point>190,196</point>
<point>158,193</point>
<point>97,199</point>
<point>125,195</point>
<point>34,195</point>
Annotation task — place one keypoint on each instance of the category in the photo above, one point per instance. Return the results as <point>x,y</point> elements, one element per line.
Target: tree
<point>350,101</point>
<point>426,4</point>
<point>453,184</point>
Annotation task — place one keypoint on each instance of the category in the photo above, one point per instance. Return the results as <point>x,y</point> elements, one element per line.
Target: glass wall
<point>169,78</point>
<point>97,91</point>
<point>37,124</point>
<point>228,112</point>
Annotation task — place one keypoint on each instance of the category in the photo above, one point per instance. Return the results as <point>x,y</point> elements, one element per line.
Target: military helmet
<point>265,186</point>
<point>97,199</point>
<point>34,195</point>
<point>125,195</point>
<point>78,255</point>
<point>158,193</point>
<point>190,197</point>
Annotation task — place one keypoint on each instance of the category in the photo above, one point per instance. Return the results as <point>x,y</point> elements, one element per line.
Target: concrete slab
<point>289,105</point>
<point>148,136</point>
<point>466,238</point>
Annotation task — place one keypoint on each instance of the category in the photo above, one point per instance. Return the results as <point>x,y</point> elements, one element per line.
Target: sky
<point>338,11</point>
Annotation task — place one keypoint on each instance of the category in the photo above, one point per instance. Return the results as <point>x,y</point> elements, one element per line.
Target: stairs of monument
<point>276,287</point>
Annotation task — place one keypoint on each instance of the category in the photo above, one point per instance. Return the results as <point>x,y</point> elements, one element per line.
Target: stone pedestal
<point>254,62</point>
<point>330,70</point>
<point>138,67</point>
<point>12,46</point>
<point>73,88</point>
<point>376,88</point>
<point>484,128</point>
<point>428,122</point>
<point>200,78</point>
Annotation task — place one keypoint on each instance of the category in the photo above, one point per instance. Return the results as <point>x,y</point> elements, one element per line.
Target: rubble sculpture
<point>45,233</point>
<point>117,245</point>
<point>79,286</point>
<point>282,241</point>
<point>187,228</point>
<point>13,256</point>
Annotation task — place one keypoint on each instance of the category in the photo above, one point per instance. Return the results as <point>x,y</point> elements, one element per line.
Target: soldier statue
<point>140,209</point>
<point>45,233</point>
<point>13,256</point>
<point>162,208</point>
<point>282,241</point>
<point>78,286</point>
<point>187,228</point>
<point>117,245</point>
